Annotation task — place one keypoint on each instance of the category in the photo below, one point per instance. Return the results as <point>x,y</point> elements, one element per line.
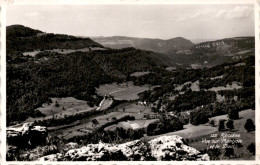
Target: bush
<point>198,117</point>
<point>233,113</point>
<point>212,123</point>
<point>230,124</point>
<point>221,125</point>
<point>214,153</point>
<point>166,124</point>
<point>249,125</point>
<point>229,152</point>
<point>154,129</point>
<point>251,148</point>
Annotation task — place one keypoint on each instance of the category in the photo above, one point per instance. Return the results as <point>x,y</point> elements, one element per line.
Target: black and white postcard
<point>120,81</point>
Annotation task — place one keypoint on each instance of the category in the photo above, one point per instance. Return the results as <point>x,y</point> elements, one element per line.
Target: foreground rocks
<point>26,135</point>
<point>173,148</point>
<point>38,152</point>
<point>161,148</point>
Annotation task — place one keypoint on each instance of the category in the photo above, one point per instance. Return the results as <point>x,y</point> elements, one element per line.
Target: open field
<point>243,52</point>
<point>192,131</point>
<point>136,124</point>
<point>233,86</point>
<point>62,51</point>
<point>189,131</point>
<point>171,68</point>
<point>220,98</point>
<point>195,134</point>
<point>137,74</point>
<point>63,106</point>
<point>246,137</point>
<point>123,91</point>
<point>131,109</point>
<point>217,77</point>
<point>194,86</point>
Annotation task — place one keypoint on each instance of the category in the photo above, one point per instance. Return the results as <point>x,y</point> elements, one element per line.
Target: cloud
<point>239,12</point>
<point>194,15</point>
<point>236,12</point>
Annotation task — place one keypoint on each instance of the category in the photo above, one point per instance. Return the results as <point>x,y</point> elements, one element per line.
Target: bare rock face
<point>95,152</point>
<point>134,150</point>
<point>161,148</point>
<point>38,152</point>
<point>52,157</point>
<point>173,148</point>
<point>26,134</point>
<point>70,146</point>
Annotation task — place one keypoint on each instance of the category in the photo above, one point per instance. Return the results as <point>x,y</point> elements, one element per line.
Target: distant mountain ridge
<point>227,45</point>
<point>178,52</point>
<point>183,53</point>
<point>170,46</point>
<point>212,53</point>
<point>22,39</point>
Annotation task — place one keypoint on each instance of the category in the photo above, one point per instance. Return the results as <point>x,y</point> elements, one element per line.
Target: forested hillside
<point>31,81</point>
<point>23,39</point>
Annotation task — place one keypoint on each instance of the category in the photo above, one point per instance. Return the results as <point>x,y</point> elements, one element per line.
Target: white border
<point>4,3</point>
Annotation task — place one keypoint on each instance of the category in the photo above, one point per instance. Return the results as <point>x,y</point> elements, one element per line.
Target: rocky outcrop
<point>161,148</point>
<point>26,134</point>
<point>95,152</point>
<point>39,152</point>
<point>135,150</point>
<point>52,157</point>
<point>226,47</point>
<point>70,146</point>
<point>173,148</point>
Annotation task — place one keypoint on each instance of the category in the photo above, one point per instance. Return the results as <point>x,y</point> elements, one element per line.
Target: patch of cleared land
<point>196,133</point>
<point>217,77</point>
<point>131,109</point>
<point>136,124</point>
<point>220,98</point>
<point>196,66</point>
<point>179,87</point>
<point>233,86</point>
<point>137,74</point>
<point>243,52</point>
<point>63,106</point>
<point>171,68</point>
<point>33,53</point>
<point>123,91</point>
<point>62,51</point>
<point>241,64</point>
<point>189,131</point>
<point>194,86</point>
<point>192,131</point>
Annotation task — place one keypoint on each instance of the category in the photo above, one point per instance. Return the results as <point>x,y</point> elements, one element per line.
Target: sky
<point>150,21</point>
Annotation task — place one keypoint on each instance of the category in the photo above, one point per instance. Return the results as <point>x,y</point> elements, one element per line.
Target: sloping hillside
<point>212,53</point>
<point>226,47</point>
<point>31,81</point>
<point>156,45</point>
<point>180,52</point>
<point>23,39</point>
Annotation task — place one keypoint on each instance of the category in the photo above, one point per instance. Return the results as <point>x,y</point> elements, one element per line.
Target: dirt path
<point>121,89</point>
<point>102,102</point>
